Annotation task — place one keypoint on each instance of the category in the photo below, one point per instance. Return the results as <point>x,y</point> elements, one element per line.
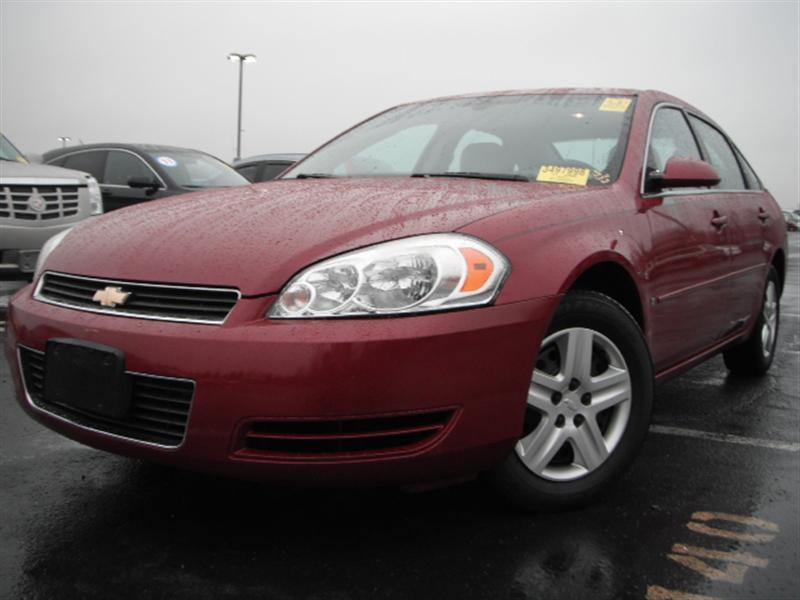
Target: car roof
<point>600,91</point>
<point>119,146</point>
<point>268,157</point>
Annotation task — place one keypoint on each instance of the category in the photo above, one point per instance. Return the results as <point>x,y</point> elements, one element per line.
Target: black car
<point>133,173</point>
<point>265,166</point>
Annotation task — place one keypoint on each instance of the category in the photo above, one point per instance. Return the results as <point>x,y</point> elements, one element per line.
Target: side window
<point>670,137</point>
<point>272,170</point>
<point>121,166</point>
<point>91,161</point>
<point>720,155</point>
<point>397,153</point>
<point>249,172</point>
<point>749,175</point>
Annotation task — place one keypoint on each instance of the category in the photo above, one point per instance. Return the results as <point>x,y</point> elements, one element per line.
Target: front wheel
<point>588,407</point>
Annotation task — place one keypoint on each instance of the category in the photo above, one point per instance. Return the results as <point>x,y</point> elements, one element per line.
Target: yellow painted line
<point>733,573</point>
<point>727,438</point>
<point>744,558</point>
<point>656,592</point>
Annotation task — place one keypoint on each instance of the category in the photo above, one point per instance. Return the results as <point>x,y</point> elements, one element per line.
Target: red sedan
<point>479,284</point>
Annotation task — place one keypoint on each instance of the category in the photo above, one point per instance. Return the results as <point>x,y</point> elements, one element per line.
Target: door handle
<point>719,221</point>
<point>763,216</point>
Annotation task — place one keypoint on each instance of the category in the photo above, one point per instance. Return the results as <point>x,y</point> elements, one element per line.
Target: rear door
<point>750,221</point>
<point>689,261</point>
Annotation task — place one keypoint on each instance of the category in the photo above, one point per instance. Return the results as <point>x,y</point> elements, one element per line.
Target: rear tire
<point>754,356</point>
<point>588,407</point>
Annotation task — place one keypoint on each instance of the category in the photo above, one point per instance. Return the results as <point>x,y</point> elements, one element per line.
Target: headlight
<point>412,275</point>
<point>47,250</point>
<point>95,196</point>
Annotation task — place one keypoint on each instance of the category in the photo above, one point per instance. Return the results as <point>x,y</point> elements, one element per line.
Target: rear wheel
<point>588,406</point>
<point>754,356</point>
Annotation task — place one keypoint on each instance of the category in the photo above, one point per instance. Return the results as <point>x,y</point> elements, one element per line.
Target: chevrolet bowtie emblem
<point>111,296</point>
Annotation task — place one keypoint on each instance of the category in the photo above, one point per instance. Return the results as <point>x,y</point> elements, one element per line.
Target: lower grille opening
<point>325,438</point>
<point>159,409</point>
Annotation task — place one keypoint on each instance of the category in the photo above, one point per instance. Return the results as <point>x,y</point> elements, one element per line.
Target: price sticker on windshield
<point>556,174</point>
<point>615,104</point>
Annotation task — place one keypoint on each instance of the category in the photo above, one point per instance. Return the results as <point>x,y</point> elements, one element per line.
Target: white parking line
<point>726,437</point>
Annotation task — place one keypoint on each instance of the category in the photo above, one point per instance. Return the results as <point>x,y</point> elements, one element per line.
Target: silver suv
<point>36,203</point>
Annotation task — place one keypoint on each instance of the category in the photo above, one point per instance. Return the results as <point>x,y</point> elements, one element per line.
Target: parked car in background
<point>489,283</point>
<point>792,220</point>
<point>134,173</point>
<point>36,203</point>
<point>265,167</point>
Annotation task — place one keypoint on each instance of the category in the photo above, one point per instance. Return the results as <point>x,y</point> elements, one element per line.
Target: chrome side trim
<point>40,181</point>
<point>121,313</point>
<point>38,409</point>
<point>681,291</point>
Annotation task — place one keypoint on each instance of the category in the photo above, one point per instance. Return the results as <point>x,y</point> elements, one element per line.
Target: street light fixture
<point>241,59</point>
<point>64,139</point>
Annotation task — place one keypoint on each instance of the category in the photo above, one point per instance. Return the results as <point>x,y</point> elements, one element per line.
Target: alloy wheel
<point>579,404</point>
<point>770,317</point>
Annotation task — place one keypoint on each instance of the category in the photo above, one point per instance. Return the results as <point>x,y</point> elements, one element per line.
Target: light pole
<point>241,59</point>
<point>64,139</point>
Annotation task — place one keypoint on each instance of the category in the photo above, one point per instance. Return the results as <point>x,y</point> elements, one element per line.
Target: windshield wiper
<point>475,175</point>
<point>313,176</point>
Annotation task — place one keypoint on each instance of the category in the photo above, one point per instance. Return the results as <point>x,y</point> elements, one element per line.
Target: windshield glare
<point>9,152</point>
<point>196,170</point>
<point>514,136</point>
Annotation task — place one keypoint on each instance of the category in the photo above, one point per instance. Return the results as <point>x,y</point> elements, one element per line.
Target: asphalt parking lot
<point>711,509</point>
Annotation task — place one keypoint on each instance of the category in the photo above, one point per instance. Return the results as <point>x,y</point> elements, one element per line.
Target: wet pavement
<point>710,508</point>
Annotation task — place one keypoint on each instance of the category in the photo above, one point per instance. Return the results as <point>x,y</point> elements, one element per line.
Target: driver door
<point>120,167</point>
<point>689,258</point>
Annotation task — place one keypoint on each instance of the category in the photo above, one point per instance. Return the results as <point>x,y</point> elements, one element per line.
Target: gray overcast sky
<point>156,71</point>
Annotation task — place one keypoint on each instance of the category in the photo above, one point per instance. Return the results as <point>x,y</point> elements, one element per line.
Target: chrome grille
<point>54,201</point>
<point>146,300</point>
<point>159,409</point>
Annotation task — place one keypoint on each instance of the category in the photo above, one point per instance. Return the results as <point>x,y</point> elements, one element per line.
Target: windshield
<point>196,170</point>
<point>9,152</point>
<point>556,138</point>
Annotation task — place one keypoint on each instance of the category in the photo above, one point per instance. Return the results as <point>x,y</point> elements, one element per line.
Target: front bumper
<point>475,362</point>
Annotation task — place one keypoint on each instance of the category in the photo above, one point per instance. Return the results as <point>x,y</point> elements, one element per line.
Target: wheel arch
<point>779,262</point>
<point>609,274</point>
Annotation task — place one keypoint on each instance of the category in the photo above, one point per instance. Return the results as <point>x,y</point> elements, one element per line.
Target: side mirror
<point>145,183</point>
<point>683,173</point>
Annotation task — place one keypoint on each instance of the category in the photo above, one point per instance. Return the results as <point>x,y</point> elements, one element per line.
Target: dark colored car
<point>134,173</point>
<point>792,220</point>
<point>488,283</point>
<point>265,167</point>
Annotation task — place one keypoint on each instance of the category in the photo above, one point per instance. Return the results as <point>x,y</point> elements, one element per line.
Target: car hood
<point>31,170</point>
<point>255,238</point>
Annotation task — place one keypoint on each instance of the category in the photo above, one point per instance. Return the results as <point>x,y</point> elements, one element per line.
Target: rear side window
<point>720,155</point>
<point>249,172</point>
<point>272,170</point>
<point>670,137</point>
<point>749,175</point>
<point>121,166</point>
<point>91,161</point>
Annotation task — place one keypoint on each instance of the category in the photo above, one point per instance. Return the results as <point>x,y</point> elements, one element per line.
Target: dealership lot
<point>710,509</point>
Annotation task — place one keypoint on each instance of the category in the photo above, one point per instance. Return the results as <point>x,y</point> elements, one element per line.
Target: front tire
<point>754,356</point>
<point>588,407</point>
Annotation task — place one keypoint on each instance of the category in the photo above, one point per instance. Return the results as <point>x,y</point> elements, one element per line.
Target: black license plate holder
<point>88,377</point>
